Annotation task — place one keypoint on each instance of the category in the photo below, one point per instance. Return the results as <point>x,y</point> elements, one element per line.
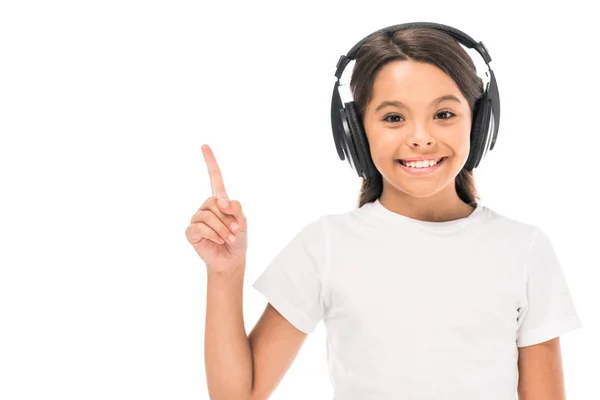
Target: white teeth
<point>420,164</point>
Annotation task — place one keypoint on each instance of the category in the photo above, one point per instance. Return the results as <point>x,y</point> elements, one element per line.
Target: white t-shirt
<point>421,310</point>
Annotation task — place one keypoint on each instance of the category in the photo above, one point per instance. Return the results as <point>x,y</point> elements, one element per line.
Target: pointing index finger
<point>214,172</point>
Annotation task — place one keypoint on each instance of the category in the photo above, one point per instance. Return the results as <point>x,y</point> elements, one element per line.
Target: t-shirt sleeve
<point>548,310</point>
<point>292,280</point>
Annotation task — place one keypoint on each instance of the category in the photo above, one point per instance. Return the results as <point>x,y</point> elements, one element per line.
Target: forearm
<point>227,352</point>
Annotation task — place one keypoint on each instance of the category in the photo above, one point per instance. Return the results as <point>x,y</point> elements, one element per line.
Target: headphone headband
<point>462,37</point>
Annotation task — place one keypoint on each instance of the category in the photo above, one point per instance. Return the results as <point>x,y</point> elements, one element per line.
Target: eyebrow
<point>402,105</point>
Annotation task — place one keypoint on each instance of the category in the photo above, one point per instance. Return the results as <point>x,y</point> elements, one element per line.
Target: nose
<point>420,138</point>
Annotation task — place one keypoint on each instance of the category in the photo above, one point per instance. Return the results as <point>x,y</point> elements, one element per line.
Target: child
<point>425,292</point>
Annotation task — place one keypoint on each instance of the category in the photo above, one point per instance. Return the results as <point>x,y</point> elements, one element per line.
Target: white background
<point>104,107</point>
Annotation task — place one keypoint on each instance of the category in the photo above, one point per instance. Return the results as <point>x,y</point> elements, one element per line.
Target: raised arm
<point>238,366</point>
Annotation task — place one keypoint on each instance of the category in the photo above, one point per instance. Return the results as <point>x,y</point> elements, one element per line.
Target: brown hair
<point>421,45</point>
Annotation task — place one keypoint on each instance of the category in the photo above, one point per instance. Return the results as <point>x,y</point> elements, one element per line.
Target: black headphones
<point>348,132</point>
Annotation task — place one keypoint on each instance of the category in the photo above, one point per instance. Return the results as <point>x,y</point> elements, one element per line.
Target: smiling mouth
<point>422,164</point>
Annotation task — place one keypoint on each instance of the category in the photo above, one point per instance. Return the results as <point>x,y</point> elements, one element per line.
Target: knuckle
<point>196,217</point>
<point>201,228</point>
<point>194,231</point>
<point>211,201</point>
<point>236,206</point>
<point>207,217</point>
<point>189,230</point>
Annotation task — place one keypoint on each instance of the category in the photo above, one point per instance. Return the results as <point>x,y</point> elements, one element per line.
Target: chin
<point>421,192</point>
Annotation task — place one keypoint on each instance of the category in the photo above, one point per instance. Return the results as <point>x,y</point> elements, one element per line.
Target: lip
<point>421,171</point>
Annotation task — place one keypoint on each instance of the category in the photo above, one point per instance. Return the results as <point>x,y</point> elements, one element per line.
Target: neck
<point>443,206</point>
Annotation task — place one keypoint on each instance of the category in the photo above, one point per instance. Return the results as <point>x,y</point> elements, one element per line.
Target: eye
<point>392,116</point>
<point>447,113</point>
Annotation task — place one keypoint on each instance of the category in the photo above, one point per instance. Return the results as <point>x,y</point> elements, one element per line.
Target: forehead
<point>410,80</point>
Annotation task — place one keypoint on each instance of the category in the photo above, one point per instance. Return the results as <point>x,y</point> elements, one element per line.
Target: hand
<point>210,228</point>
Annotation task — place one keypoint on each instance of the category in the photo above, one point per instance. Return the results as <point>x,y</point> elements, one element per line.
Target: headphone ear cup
<point>359,138</point>
<point>347,142</point>
<point>479,132</point>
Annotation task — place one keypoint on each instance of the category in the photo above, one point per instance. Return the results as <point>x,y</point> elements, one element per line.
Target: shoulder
<point>508,227</point>
<point>315,234</point>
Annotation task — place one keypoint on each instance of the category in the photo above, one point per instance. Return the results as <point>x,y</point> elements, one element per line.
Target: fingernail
<point>234,226</point>
<point>232,238</point>
<point>223,203</point>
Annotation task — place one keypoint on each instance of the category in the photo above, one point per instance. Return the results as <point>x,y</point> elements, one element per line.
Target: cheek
<point>463,145</point>
<point>382,144</point>
<point>461,141</point>
<point>376,138</point>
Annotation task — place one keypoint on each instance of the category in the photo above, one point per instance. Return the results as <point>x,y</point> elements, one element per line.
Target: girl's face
<point>405,120</point>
